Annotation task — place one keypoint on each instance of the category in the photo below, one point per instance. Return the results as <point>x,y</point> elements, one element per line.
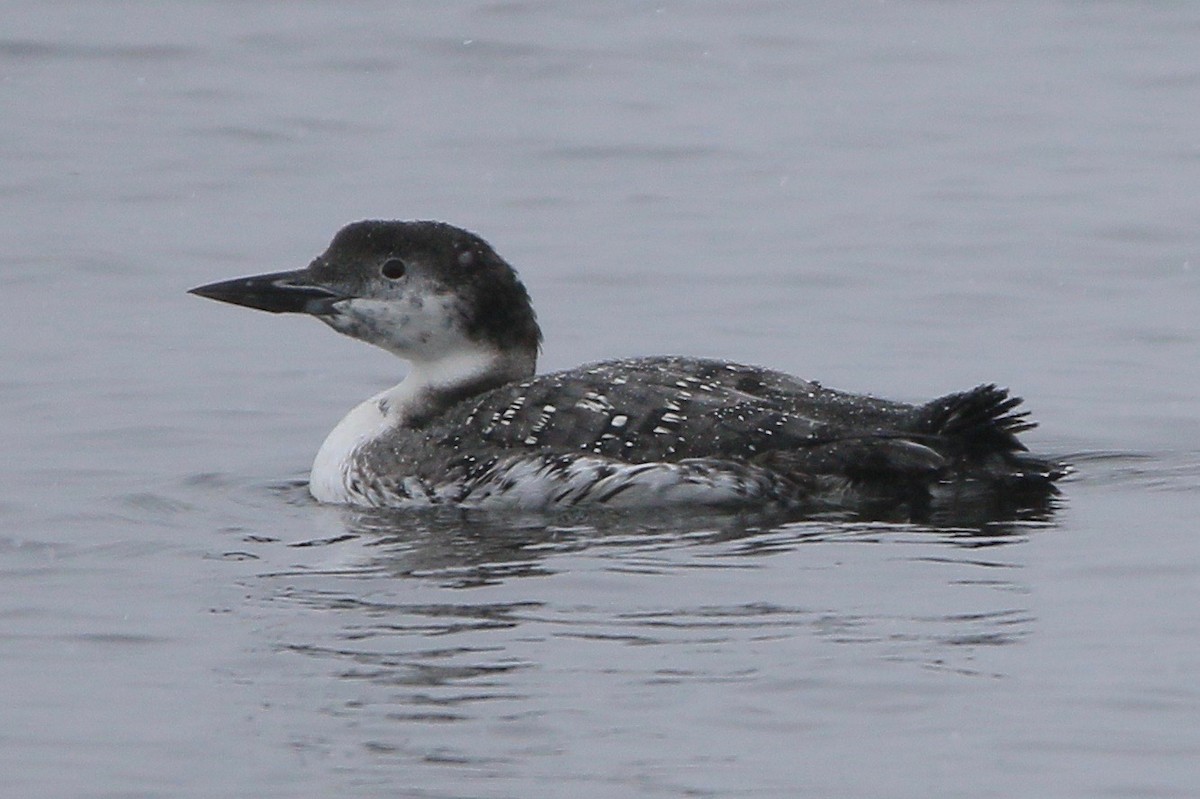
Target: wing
<point>668,409</point>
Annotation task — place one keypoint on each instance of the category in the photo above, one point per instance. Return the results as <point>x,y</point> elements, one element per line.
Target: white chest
<point>333,470</point>
<point>329,480</point>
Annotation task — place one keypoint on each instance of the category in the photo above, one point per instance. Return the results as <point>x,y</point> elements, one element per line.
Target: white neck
<point>426,380</point>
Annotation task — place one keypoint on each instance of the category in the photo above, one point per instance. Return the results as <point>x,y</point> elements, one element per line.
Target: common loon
<point>471,425</point>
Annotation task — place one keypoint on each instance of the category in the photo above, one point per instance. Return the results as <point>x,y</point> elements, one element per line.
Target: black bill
<point>280,292</point>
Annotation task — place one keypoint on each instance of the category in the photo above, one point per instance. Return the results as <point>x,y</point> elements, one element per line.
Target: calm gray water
<point>903,198</point>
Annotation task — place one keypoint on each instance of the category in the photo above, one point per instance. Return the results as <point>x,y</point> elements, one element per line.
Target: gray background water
<point>904,198</point>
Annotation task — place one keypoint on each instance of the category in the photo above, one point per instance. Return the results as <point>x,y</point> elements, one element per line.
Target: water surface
<point>907,199</point>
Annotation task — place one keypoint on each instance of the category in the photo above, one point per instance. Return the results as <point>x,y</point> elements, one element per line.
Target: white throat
<point>395,407</point>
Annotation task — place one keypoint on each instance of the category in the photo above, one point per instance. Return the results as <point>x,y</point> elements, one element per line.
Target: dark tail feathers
<point>975,424</point>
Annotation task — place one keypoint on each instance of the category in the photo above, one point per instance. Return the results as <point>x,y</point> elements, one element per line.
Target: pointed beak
<point>280,292</point>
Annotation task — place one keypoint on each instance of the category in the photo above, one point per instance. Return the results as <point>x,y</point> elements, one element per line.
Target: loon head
<point>429,292</point>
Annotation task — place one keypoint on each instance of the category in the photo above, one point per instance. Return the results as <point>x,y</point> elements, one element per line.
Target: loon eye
<point>393,269</point>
